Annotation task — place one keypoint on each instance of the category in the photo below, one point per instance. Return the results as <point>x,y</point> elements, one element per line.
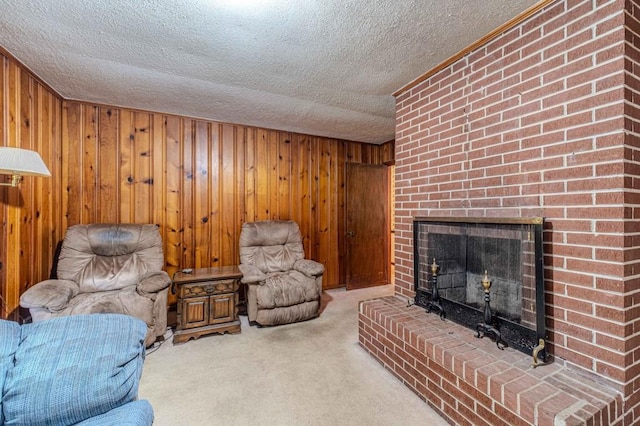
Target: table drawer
<point>208,288</point>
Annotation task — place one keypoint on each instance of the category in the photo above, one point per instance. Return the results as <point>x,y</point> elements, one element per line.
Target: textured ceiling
<point>324,67</point>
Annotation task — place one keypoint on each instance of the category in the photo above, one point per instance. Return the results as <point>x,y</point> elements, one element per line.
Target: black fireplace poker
<point>435,301</point>
<point>487,326</point>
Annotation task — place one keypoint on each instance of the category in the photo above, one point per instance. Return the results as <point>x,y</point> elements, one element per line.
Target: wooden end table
<point>207,302</point>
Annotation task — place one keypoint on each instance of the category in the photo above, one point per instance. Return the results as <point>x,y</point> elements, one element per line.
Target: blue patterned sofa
<point>79,369</point>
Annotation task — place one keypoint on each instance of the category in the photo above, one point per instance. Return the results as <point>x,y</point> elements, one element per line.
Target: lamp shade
<point>23,162</point>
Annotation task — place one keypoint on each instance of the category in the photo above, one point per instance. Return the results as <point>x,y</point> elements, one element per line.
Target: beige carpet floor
<point>309,373</point>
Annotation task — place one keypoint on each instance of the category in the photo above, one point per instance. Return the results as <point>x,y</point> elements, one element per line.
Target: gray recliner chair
<point>283,286</point>
<point>106,268</point>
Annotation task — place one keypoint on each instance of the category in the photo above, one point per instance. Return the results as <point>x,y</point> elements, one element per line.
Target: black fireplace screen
<point>505,252</point>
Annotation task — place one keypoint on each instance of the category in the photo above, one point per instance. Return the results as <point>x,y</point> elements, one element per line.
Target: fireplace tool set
<point>435,301</point>
<point>485,274</point>
<point>488,325</point>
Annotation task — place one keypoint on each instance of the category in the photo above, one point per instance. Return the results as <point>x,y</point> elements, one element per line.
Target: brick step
<point>469,381</point>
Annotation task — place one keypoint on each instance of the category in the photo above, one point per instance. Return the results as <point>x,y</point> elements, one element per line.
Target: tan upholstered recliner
<point>283,287</point>
<point>106,268</point>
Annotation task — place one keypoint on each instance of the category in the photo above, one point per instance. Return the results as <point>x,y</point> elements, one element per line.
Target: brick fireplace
<point>541,121</point>
<point>505,253</point>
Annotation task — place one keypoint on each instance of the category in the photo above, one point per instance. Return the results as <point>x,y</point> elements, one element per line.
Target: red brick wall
<point>535,123</point>
<point>632,201</point>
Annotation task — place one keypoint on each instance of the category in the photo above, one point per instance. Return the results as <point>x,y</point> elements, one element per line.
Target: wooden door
<point>367,236</point>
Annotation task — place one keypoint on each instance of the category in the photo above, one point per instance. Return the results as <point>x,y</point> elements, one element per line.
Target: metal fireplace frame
<point>517,336</point>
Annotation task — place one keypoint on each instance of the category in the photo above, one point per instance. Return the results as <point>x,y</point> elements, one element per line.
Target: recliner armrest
<point>153,282</point>
<point>52,295</point>
<point>309,267</point>
<point>251,274</point>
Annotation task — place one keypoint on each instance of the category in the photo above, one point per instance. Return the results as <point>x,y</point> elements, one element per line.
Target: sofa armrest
<point>251,274</point>
<point>52,295</point>
<point>309,267</point>
<point>133,413</point>
<point>74,367</point>
<point>153,282</point>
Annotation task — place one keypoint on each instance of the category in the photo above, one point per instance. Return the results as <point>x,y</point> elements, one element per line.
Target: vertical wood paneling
<point>215,195</point>
<point>198,180</point>
<point>201,180</point>
<point>108,165</point>
<point>14,200</point>
<point>41,144</point>
<point>89,166</point>
<point>250,191</point>
<point>141,169</point>
<point>173,195</point>
<point>187,204</point>
<point>47,206</point>
<point>71,131</point>
<point>4,191</point>
<point>125,170</point>
<point>388,153</point>
<point>30,215</point>
<point>342,213</point>
<point>284,174</point>
<point>240,176</point>
<point>158,173</point>
<point>306,180</point>
<point>294,176</point>
<point>273,202</point>
<point>333,243</point>
<point>228,190</point>
<point>323,210</point>
<point>25,207</point>
<point>314,194</point>
<point>262,176</point>
<point>202,195</point>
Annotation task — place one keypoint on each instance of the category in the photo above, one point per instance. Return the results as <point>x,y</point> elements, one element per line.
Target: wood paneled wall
<point>30,216</point>
<point>200,180</point>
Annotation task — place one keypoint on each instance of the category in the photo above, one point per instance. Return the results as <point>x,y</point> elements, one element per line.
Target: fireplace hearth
<point>488,277</point>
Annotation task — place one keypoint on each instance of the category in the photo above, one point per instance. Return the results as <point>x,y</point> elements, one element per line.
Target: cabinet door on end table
<point>222,308</point>
<point>195,312</point>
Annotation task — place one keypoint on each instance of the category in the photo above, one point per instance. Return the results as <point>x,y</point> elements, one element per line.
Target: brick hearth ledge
<point>469,381</point>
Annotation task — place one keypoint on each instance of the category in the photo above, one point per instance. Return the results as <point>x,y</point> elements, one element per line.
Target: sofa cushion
<point>286,289</point>
<point>9,340</point>
<point>59,378</point>
<point>277,316</point>
<point>132,414</point>
<point>126,301</point>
